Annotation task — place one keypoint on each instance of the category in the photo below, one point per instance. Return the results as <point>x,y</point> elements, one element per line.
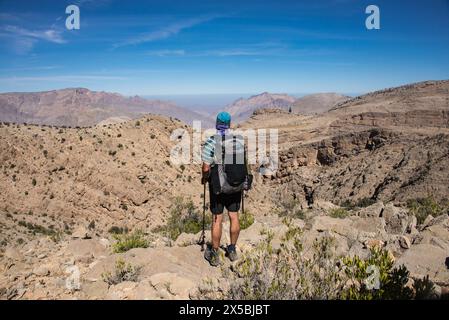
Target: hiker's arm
<point>205,173</point>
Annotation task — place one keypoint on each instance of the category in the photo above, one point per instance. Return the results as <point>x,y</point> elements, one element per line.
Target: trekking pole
<point>203,234</point>
<point>243,202</point>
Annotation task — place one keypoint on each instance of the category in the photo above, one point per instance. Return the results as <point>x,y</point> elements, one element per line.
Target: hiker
<point>225,169</point>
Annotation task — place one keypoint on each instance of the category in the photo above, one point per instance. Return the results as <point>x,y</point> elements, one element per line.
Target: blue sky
<point>204,47</point>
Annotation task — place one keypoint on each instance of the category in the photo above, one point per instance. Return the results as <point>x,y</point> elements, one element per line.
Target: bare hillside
<point>80,107</point>
<point>317,103</point>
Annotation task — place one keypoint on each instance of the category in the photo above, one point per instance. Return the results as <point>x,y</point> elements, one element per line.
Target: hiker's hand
<point>205,177</point>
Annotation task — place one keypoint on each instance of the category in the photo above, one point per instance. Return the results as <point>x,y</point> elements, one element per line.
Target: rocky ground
<point>62,191</point>
<point>73,268</point>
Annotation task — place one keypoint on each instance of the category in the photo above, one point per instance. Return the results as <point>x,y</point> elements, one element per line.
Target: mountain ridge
<point>83,107</point>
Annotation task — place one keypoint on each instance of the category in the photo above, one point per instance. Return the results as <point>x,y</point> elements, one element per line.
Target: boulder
<point>186,239</point>
<point>95,290</point>
<point>426,259</point>
<point>405,242</point>
<point>179,287</point>
<point>81,232</point>
<point>396,219</point>
<point>374,210</point>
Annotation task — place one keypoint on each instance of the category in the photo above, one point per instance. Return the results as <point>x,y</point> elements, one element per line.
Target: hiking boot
<point>212,256</point>
<point>232,253</point>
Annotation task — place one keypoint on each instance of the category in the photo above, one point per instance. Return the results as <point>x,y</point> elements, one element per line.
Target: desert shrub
<point>288,273</point>
<point>123,272</point>
<point>118,230</point>
<point>362,203</point>
<point>128,241</point>
<point>424,289</point>
<point>285,274</point>
<point>153,136</point>
<point>55,235</point>
<point>137,123</point>
<point>375,278</point>
<point>424,207</point>
<point>246,219</point>
<point>365,202</point>
<point>184,217</point>
<point>290,208</point>
<point>339,213</point>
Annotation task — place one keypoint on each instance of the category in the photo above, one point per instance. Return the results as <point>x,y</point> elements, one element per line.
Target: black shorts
<point>229,201</point>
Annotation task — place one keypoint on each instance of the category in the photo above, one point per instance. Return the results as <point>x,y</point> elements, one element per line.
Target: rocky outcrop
<point>76,268</point>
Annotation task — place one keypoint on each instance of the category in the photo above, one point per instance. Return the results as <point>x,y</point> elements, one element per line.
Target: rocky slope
<point>317,103</point>
<point>424,104</point>
<point>82,107</point>
<point>114,175</point>
<point>400,154</point>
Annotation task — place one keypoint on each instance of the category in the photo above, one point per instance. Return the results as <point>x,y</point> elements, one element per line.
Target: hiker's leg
<point>217,220</point>
<point>235,227</point>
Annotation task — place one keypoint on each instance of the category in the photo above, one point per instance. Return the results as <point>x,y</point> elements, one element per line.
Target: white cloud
<point>166,53</point>
<point>164,32</point>
<point>23,40</point>
<point>50,35</point>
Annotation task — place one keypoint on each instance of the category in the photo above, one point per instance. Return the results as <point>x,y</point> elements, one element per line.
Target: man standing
<point>219,201</point>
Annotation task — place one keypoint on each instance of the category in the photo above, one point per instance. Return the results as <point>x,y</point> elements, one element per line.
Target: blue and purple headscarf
<point>223,123</point>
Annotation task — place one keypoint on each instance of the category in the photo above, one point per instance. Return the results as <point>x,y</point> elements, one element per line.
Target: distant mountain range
<point>82,107</point>
<point>242,109</point>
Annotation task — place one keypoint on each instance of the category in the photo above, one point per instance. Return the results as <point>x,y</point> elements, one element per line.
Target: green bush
<point>286,273</point>
<point>184,217</point>
<point>128,241</point>
<point>375,278</point>
<point>246,219</point>
<point>423,207</point>
<point>122,272</point>
<point>339,213</point>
